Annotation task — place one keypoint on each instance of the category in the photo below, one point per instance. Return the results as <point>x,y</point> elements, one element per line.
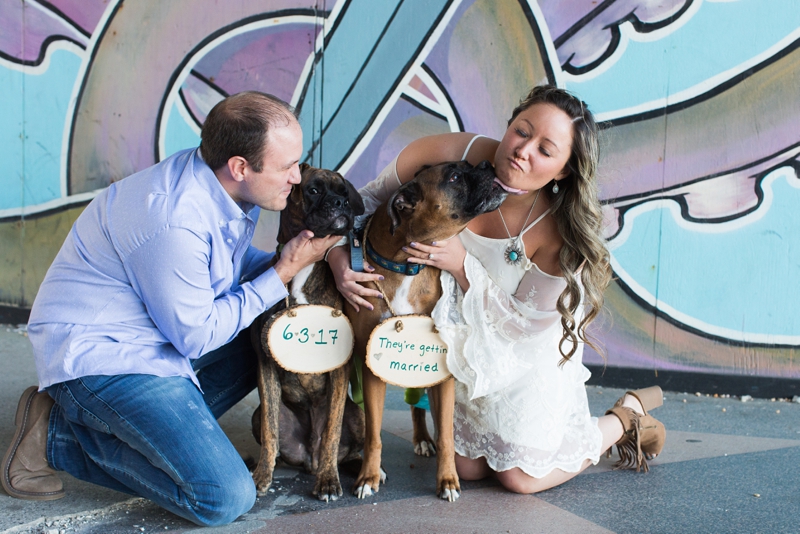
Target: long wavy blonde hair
<point>578,214</point>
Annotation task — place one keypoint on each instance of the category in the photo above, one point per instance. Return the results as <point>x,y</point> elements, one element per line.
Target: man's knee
<point>225,500</point>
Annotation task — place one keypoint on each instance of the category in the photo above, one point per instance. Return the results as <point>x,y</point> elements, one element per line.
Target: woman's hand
<point>447,255</point>
<point>347,280</point>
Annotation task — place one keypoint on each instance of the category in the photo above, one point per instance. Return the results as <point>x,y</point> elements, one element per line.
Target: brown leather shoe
<point>26,474</point>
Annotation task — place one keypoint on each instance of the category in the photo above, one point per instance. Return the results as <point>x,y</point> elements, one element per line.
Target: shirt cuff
<point>269,287</point>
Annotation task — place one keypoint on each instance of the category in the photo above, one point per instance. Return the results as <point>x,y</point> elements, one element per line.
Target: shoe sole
<point>21,420</point>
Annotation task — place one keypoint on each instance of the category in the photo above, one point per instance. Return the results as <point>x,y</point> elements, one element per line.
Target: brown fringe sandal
<point>643,435</point>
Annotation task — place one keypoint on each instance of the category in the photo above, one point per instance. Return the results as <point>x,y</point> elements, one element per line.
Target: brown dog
<point>308,418</point>
<point>436,205</point>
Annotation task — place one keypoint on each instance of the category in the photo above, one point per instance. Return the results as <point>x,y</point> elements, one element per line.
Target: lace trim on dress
<point>503,346</point>
<point>514,405</point>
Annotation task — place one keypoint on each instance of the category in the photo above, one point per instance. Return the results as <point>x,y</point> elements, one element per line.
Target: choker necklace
<point>514,249</point>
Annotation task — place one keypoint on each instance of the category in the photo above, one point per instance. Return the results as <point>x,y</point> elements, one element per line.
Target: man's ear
<point>237,166</point>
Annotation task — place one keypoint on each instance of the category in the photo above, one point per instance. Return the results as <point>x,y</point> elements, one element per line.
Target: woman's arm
<point>435,149</point>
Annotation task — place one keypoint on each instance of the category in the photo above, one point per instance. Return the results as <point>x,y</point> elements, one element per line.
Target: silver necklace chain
<point>513,251</point>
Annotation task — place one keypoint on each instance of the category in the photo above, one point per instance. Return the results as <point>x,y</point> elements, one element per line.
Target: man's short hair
<point>239,125</point>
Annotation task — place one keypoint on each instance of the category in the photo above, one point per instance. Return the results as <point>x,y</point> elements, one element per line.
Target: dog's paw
<point>367,486</point>
<point>262,478</point>
<point>328,488</point>
<point>449,489</point>
<point>425,448</point>
<point>450,495</point>
<point>363,491</point>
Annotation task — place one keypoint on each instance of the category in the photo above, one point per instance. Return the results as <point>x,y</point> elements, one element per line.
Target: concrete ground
<point>728,466</point>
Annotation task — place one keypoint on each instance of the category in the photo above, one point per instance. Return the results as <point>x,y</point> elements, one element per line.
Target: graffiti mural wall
<point>699,99</point>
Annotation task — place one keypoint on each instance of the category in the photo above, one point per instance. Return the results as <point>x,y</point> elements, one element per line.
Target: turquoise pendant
<point>513,253</point>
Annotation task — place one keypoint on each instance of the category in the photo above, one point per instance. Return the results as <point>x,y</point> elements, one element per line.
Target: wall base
<point>691,382</point>
<point>14,315</point>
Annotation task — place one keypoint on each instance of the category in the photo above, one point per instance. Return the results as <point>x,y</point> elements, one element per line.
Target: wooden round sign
<point>310,339</point>
<point>407,351</point>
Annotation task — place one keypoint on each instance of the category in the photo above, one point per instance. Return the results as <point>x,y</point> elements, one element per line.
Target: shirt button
<point>229,240</point>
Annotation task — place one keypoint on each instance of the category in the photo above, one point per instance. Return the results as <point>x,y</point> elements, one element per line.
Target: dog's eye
<point>313,191</point>
<point>454,178</point>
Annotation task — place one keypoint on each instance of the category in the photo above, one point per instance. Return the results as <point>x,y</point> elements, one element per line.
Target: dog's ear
<point>304,167</point>
<point>404,200</point>
<point>356,202</point>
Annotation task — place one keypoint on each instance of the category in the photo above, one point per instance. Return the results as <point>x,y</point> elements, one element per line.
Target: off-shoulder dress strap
<point>466,151</point>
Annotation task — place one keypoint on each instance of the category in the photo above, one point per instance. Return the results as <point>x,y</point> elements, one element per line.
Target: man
<point>135,328</point>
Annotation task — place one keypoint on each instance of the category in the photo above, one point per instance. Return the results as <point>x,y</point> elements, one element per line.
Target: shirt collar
<point>229,208</point>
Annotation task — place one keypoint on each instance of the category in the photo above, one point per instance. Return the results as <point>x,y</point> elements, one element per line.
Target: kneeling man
<point>135,329</point>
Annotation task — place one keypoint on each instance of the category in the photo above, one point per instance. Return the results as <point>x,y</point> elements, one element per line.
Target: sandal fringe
<point>639,432</point>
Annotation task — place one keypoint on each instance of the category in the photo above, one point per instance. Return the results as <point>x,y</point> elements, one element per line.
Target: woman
<point>520,285</point>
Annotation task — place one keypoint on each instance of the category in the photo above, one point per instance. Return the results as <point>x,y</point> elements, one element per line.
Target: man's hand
<point>301,251</point>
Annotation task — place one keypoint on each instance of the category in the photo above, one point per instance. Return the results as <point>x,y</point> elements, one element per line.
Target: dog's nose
<point>335,202</point>
<point>484,165</point>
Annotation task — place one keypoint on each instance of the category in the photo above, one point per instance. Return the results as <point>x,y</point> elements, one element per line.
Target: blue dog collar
<point>408,269</point>
<point>356,252</point>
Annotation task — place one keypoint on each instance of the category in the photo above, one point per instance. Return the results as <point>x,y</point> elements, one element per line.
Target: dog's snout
<point>484,165</point>
<point>336,202</point>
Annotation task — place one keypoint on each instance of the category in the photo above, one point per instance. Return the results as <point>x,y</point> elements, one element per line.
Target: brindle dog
<point>308,418</point>
<point>436,205</point>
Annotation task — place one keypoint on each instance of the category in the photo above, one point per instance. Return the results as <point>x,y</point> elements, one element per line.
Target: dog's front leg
<point>327,486</point>
<point>443,397</point>
<point>269,392</point>
<point>371,475</point>
<point>422,440</point>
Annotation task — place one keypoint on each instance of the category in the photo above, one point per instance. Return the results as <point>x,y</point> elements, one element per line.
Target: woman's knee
<point>469,469</point>
<point>517,481</point>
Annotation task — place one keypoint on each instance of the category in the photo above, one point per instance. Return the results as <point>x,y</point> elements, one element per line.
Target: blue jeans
<point>159,438</point>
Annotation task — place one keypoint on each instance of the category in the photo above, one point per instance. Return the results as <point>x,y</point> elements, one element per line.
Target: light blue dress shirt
<point>153,273</point>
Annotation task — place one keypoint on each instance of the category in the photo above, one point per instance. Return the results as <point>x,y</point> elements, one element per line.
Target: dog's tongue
<point>510,189</point>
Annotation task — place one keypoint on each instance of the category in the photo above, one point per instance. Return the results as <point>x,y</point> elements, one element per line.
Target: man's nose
<point>295,176</point>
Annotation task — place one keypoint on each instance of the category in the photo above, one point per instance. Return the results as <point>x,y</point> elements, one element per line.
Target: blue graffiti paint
<point>359,88</point>
<point>719,37</point>
<point>179,134</point>
<point>39,101</point>
<point>736,279</point>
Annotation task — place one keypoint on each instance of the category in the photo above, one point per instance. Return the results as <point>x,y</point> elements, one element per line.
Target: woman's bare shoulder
<point>435,149</point>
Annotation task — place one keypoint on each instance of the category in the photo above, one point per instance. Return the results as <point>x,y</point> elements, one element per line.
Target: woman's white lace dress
<point>514,405</point>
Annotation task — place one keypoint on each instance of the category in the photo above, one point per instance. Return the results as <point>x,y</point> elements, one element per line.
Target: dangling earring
<point>555,187</point>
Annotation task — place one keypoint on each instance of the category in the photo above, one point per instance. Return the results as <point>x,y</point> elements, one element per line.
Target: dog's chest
<point>303,389</point>
<point>401,303</point>
<point>315,285</point>
<point>414,294</point>
<point>298,282</point>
